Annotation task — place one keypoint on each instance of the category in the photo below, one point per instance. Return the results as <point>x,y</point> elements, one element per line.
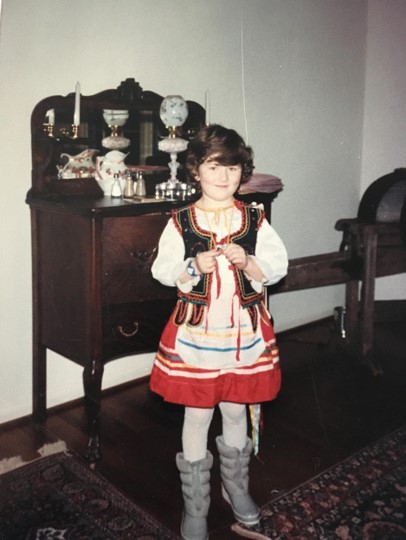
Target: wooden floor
<point>329,407</point>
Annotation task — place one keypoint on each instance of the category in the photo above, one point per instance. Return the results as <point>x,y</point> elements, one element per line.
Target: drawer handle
<point>144,258</point>
<point>132,333</point>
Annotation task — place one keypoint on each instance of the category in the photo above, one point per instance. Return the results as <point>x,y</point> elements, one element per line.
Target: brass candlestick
<point>70,134</point>
<point>49,128</point>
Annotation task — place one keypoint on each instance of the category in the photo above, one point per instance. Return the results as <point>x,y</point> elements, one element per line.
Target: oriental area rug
<point>60,498</point>
<point>363,497</point>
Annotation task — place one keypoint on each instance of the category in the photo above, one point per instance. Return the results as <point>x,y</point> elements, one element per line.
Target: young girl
<point>218,347</point>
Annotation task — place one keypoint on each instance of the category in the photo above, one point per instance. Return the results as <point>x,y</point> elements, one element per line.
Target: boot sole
<point>245,520</point>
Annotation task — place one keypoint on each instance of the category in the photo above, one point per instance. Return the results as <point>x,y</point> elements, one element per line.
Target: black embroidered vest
<point>197,240</point>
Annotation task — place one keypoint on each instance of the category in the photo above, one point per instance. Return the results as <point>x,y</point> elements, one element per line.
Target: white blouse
<point>270,252</point>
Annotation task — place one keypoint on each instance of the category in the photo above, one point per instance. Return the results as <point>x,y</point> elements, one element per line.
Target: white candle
<point>76,114</point>
<point>207,107</point>
<point>50,115</point>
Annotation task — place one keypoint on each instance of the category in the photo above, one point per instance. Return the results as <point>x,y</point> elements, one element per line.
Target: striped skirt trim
<point>180,383</point>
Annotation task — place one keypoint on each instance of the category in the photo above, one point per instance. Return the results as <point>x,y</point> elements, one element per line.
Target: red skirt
<point>178,382</point>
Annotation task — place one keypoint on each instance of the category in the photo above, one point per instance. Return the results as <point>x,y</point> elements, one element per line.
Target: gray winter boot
<point>195,479</point>
<point>234,476</point>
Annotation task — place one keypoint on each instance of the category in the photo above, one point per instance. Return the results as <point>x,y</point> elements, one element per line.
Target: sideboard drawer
<point>134,328</point>
<point>130,246</point>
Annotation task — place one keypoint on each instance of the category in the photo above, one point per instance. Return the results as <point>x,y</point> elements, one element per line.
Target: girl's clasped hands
<point>206,260</point>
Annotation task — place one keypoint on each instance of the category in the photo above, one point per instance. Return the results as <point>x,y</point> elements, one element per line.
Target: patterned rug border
<point>132,521</point>
<point>321,490</point>
<point>368,448</point>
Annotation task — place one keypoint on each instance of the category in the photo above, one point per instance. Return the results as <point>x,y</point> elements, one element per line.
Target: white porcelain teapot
<point>109,165</point>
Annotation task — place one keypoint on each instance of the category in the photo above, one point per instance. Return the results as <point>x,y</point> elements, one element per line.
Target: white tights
<point>196,428</point>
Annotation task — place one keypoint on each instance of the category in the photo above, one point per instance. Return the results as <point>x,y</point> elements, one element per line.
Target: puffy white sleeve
<point>270,254</point>
<point>170,261</point>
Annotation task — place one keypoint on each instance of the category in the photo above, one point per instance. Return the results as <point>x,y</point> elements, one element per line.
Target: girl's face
<point>218,182</point>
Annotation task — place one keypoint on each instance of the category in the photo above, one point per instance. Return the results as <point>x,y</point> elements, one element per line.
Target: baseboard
<point>386,311</point>
<point>306,326</point>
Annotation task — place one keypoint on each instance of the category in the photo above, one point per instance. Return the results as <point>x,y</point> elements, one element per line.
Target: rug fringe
<point>52,448</point>
<point>11,463</point>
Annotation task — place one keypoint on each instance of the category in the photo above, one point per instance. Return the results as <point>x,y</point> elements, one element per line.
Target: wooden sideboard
<point>94,298</point>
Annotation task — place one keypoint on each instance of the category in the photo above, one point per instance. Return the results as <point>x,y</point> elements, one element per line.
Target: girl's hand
<point>206,261</point>
<point>236,255</point>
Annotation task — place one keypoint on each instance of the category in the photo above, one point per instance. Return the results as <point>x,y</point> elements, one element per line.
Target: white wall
<point>384,130</point>
<point>304,75</point>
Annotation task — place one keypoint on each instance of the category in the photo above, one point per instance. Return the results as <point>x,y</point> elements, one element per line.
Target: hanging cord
<point>256,425</point>
<point>243,69</point>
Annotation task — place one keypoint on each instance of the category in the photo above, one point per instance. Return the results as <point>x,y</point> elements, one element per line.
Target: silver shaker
<point>129,186</point>
<point>140,190</point>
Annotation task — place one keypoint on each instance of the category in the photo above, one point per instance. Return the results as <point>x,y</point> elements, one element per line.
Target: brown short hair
<point>226,145</point>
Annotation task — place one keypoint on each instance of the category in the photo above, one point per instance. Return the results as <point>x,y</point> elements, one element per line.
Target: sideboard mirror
<point>144,129</point>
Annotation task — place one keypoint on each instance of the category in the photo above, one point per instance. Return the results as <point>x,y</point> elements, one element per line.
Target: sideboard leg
<point>92,382</point>
<point>39,382</point>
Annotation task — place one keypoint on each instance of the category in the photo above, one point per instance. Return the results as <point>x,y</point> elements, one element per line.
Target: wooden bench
<point>367,251</point>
